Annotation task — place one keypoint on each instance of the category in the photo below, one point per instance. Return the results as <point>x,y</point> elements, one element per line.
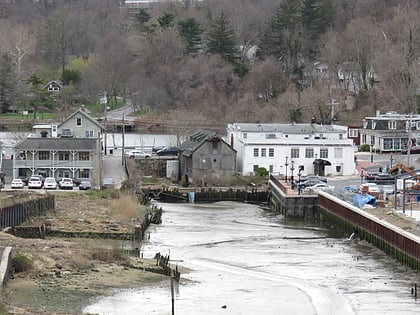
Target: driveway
<point>113,168</point>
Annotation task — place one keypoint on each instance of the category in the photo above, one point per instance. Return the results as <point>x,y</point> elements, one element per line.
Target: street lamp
<point>371,150</point>
<point>299,175</point>
<point>292,168</point>
<point>286,164</point>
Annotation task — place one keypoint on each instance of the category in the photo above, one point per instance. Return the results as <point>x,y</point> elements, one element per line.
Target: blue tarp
<point>359,200</point>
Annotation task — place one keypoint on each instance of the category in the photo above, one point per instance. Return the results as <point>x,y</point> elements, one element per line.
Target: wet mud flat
<point>69,291</point>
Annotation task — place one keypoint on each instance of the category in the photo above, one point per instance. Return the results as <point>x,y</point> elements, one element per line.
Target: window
<point>338,153</point>
<point>89,133</point>
<point>255,168</point>
<point>309,153</point>
<point>215,146</point>
<point>64,156</point>
<point>392,125</point>
<point>271,152</point>
<point>353,133</point>
<point>263,152</point>
<point>271,168</point>
<point>294,153</point>
<point>43,155</point>
<point>270,136</point>
<point>79,122</point>
<point>245,135</point>
<point>256,151</point>
<point>84,156</point>
<point>340,136</point>
<point>373,124</point>
<point>323,153</point>
<point>85,173</point>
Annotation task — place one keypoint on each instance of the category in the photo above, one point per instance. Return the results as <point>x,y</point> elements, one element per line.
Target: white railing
<point>50,163</point>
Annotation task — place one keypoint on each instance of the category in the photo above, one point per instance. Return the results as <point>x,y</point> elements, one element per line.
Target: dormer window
<point>373,124</point>
<point>392,125</point>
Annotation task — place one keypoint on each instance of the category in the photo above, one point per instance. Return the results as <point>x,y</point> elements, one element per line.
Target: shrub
<point>261,171</point>
<point>365,148</point>
<point>21,263</point>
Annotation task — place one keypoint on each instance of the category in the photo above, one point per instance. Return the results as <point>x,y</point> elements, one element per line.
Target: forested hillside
<point>214,61</point>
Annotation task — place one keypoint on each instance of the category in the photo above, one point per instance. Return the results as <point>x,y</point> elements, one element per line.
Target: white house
<point>287,148</point>
<point>390,132</point>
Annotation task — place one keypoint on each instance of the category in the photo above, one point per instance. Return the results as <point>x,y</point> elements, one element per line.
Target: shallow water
<point>247,261</point>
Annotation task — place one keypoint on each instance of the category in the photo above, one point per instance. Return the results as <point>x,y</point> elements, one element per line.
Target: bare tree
<point>18,41</point>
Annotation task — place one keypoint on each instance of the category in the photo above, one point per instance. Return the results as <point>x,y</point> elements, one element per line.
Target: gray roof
<point>290,128</point>
<point>59,144</point>
<point>84,114</point>
<point>196,140</point>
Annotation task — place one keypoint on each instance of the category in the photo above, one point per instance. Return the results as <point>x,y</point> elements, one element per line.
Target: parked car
<point>137,154</point>
<point>414,150</point>
<point>313,177</point>
<point>50,183</point>
<point>35,182</point>
<point>76,181</point>
<point>17,183</point>
<point>168,151</point>
<point>66,183</point>
<point>107,183</point>
<point>85,185</point>
<point>319,187</point>
<point>380,178</point>
<point>309,182</point>
<point>157,148</point>
<point>26,180</point>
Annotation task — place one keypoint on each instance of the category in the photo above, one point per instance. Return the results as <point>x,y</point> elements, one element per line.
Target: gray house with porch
<point>71,148</point>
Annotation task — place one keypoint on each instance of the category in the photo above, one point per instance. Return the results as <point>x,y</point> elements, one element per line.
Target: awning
<point>321,162</point>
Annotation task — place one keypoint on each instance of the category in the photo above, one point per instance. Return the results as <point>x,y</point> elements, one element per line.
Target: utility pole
<point>409,143</point>
<point>123,142</point>
<point>104,101</point>
<point>332,105</point>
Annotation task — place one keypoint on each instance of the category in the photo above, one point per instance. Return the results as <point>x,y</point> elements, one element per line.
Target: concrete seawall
<point>393,240</point>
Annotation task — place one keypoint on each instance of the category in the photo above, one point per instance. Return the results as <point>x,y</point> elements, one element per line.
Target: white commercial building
<point>287,148</point>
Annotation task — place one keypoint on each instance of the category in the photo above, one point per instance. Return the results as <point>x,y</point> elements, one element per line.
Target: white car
<point>66,183</point>
<point>137,154</point>
<point>320,187</point>
<point>35,182</point>
<point>17,183</point>
<point>50,183</point>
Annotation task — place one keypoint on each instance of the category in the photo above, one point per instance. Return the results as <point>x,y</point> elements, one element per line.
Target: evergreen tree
<point>142,17</point>
<point>7,83</point>
<point>222,39</point>
<point>316,19</point>
<point>39,96</point>
<point>282,36</point>
<point>190,30</point>
<point>166,20</point>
